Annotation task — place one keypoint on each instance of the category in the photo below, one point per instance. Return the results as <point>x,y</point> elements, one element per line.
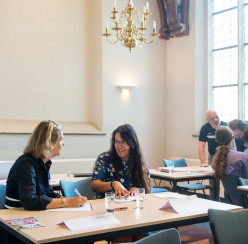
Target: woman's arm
<point>101,187</point>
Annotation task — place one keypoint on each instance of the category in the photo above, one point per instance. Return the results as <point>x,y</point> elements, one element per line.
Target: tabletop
<point>132,220</point>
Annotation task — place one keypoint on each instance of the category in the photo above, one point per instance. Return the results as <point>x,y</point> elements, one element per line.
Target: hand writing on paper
<point>120,190</point>
<point>76,202</point>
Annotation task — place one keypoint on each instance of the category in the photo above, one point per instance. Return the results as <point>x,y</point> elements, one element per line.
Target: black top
<point>207,134</point>
<point>28,184</point>
<point>240,145</point>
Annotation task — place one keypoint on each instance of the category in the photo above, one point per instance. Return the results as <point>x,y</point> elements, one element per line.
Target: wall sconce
<point>125,90</point>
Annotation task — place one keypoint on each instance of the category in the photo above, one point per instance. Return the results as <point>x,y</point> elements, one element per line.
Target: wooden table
<point>133,221</point>
<point>192,173</point>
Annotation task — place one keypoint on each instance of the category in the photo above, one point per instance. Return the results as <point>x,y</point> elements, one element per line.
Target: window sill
<point>14,126</point>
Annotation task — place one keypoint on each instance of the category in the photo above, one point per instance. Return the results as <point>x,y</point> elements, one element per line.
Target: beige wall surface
<point>74,58</point>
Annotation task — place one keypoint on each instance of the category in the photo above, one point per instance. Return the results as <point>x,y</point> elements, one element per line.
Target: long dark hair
<point>137,171</point>
<point>223,136</point>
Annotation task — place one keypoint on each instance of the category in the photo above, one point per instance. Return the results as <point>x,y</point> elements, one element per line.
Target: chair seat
<point>158,190</point>
<point>194,187</point>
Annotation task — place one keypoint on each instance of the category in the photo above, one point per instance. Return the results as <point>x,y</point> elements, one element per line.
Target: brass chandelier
<point>129,34</point>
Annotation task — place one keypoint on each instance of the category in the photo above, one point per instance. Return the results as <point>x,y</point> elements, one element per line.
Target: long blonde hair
<point>223,136</point>
<point>42,139</point>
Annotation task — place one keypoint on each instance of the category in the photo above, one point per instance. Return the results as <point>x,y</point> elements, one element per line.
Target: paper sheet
<point>130,199</point>
<point>85,207</point>
<point>91,222</point>
<point>169,195</point>
<point>183,204</point>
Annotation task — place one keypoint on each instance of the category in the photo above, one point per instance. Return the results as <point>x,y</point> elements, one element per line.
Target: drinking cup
<point>140,198</point>
<point>110,202</point>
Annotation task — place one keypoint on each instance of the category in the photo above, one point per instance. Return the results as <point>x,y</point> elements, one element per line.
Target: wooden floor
<point>193,234</point>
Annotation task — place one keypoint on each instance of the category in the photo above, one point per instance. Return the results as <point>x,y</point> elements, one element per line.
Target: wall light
<point>125,90</point>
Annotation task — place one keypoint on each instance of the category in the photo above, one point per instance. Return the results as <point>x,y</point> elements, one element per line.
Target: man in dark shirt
<point>207,135</point>
<point>238,128</point>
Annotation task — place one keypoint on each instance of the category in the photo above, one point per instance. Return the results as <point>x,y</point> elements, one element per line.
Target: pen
<point>76,190</point>
<point>121,209</point>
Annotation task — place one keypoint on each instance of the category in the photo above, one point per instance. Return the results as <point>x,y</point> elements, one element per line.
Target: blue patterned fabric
<point>104,171</point>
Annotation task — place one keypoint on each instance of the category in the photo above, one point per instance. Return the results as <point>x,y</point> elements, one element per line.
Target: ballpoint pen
<point>76,190</point>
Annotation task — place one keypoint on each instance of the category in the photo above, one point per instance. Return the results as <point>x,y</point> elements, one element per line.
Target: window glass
<point>219,5</point>
<point>225,68</point>
<point>246,102</point>
<point>246,24</point>
<point>225,29</point>
<point>226,102</point>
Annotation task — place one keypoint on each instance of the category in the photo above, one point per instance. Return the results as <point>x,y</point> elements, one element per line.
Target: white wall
<point>161,107</point>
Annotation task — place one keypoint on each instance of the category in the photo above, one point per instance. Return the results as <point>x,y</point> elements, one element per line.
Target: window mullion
<point>241,65</point>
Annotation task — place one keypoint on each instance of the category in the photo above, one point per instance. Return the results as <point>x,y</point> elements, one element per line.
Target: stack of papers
<point>166,169</point>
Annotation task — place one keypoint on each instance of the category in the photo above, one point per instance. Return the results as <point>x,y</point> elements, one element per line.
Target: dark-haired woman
<point>228,161</point>
<point>122,168</point>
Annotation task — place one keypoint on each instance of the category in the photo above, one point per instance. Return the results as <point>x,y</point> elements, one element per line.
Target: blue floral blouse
<point>104,171</point>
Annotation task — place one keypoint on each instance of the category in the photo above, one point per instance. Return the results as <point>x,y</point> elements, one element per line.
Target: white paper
<point>183,204</point>
<point>169,195</point>
<point>85,207</point>
<point>91,222</point>
<point>166,169</point>
<point>3,182</point>
<point>130,199</point>
<point>54,181</point>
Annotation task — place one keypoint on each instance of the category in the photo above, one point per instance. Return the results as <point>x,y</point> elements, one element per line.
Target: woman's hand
<point>120,190</point>
<point>132,191</point>
<point>76,202</point>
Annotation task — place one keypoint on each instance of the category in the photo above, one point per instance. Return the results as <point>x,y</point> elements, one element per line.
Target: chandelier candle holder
<point>130,34</point>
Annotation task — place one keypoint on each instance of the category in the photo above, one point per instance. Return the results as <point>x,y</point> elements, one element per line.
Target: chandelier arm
<point>111,41</point>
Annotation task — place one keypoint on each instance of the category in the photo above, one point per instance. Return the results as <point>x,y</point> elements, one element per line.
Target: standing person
<point>28,179</point>
<point>122,168</point>
<point>228,161</point>
<point>207,135</point>
<point>238,128</point>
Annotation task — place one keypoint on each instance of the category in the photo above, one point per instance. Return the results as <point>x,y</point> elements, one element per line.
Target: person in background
<point>238,128</point>
<point>122,168</point>
<point>207,135</point>
<point>228,161</point>
<point>28,179</point>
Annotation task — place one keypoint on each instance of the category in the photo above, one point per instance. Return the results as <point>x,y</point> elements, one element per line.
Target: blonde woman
<point>28,180</point>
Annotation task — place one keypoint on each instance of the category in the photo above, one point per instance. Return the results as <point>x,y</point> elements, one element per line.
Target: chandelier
<point>130,34</point>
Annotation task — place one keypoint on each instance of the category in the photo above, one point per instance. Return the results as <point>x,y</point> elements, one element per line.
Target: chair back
<point>229,227</point>
<point>230,183</point>
<point>170,236</point>
<point>83,186</point>
<point>177,163</point>
<point>244,197</point>
<point>2,196</point>
<point>243,181</point>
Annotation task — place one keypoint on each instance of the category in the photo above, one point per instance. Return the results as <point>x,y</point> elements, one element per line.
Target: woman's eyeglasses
<point>120,142</point>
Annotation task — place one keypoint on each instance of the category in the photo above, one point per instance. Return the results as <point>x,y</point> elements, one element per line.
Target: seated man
<point>238,128</point>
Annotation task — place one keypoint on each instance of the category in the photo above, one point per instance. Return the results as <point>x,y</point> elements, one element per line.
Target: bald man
<point>207,135</point>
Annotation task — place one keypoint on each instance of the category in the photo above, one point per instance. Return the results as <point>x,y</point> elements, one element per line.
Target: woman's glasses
<point>117,142</point>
